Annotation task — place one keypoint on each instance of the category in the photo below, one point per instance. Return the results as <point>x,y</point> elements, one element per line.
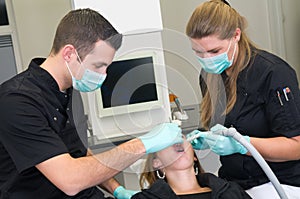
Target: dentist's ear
<point>67,52</point>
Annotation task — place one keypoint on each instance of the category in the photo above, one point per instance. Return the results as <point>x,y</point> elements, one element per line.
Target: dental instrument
<point>193,137</point>
<point>232,132</point>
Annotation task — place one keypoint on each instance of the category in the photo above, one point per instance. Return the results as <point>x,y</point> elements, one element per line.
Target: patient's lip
<point>178,147</point>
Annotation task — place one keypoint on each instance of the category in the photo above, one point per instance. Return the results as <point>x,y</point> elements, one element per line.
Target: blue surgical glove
<point>121,193</point>
<point>223,145</point>
<point>218,127</point>
<point>198,143</point>
<point>161,136</point>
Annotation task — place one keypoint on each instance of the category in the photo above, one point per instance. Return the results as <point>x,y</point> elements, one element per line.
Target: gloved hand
<point>121,193</point>
<point>218,127</point>
<point>198,143</point>
<point>161,136</point>
<point>223,145</point>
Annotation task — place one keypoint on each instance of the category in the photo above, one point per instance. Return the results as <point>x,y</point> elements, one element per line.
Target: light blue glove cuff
<point>121,193</point>
<point>118,190</point>
<point>244,150</point>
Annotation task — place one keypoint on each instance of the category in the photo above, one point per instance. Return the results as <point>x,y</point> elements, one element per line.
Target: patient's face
<point>175,157</point>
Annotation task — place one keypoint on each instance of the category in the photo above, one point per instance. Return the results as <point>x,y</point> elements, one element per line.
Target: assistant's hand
<point>198,143</point>
<point>161,136</point>
<point>223,145</point>
<point>121,193</point>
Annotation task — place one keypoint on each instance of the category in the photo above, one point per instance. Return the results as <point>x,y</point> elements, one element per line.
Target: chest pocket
<point>57,119</point>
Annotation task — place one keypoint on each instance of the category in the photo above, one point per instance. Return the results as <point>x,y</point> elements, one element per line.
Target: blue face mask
<point>89,81</point>
<point>217,64</point>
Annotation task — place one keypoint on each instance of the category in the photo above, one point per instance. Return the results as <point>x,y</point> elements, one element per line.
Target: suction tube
<point>232,132</point>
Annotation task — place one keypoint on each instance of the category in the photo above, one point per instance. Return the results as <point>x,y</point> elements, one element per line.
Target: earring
<point>159,176</point>
<point>196,170</point>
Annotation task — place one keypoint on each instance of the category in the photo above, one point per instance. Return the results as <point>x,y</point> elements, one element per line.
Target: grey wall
<point>291,19</point>
<point>36,22</point>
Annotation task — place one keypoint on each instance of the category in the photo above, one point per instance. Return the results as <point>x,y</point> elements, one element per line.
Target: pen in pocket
<point>279,98</point>
<point>285,91</point>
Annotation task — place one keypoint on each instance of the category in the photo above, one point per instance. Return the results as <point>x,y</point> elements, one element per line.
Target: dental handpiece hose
<point>232,132</point>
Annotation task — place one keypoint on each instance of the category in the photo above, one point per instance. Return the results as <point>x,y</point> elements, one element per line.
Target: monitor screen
<point>3,14</point>
<point>130,86</point>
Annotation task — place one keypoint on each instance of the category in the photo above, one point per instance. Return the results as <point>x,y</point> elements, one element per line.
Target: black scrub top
<point>220,189</point>
<point>37,123</point>
<point>268,105</point>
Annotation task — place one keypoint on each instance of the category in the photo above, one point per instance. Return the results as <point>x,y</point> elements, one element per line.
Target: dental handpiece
<point>224,132</point>
<point>193,137</point>
<point>179,147</point>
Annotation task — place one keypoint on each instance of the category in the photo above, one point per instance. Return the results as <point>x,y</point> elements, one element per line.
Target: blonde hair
<point>148,177</point>
<point>215,18</point>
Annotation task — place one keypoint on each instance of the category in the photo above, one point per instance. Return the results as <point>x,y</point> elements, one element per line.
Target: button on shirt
<point>36,124</point>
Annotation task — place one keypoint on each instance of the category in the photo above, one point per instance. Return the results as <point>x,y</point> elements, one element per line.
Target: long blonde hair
<point>217,18</point>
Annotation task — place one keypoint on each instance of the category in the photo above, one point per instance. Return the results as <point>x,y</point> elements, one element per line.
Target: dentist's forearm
<point>72,175</point>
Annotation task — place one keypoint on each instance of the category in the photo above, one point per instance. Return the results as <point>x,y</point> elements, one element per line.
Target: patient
<point>175,172</point>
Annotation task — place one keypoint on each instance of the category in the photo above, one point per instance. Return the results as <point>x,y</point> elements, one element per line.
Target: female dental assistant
<point>252,90</point>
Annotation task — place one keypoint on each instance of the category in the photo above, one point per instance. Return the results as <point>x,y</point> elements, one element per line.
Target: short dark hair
<point>83,28</point>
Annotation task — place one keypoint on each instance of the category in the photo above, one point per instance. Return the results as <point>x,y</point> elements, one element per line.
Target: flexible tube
<point>232,132</point>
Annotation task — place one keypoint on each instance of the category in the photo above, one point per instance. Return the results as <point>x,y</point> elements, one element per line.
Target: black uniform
<point>268,105</point>
<point>221,189</point>
<point>37,123</point>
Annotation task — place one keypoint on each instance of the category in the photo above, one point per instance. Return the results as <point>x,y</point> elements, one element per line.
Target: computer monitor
<point>133,98</point>
<point>132,85</point>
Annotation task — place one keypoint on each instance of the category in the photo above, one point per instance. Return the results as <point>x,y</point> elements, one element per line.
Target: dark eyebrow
<point>197,51</point>
<point>100,64</point>
<point>209,51</point>
<point>214,49</point>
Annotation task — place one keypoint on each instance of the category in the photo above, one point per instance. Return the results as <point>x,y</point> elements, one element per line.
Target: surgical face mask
<point>217,64</point>
<point>89,81</point>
